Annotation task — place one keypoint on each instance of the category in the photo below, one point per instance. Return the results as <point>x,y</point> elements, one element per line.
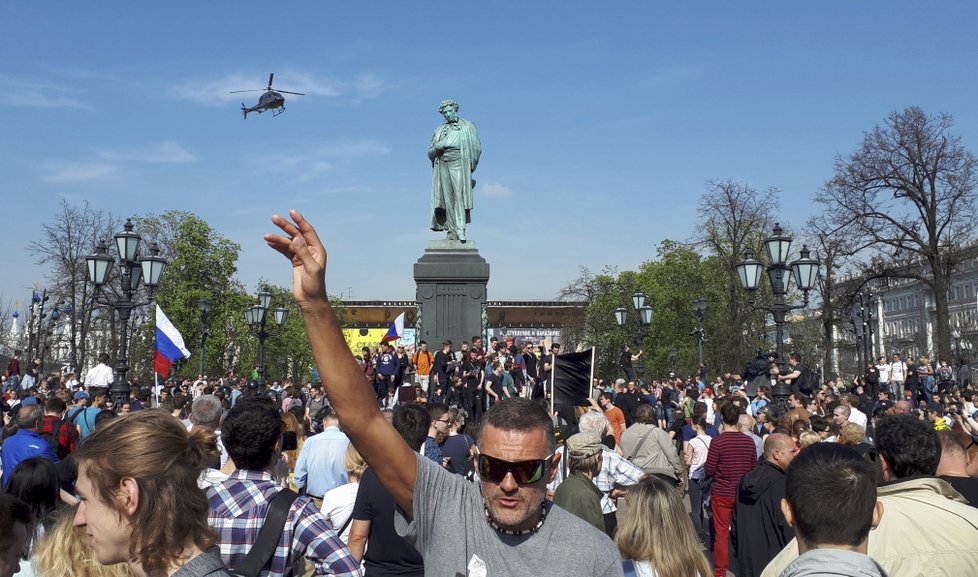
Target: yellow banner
<point>356,339</point>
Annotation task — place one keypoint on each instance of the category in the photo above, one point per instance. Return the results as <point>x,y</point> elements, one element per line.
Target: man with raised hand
<point>502,526</point>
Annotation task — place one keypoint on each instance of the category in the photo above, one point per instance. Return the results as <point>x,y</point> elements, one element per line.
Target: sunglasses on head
<point>524,472</point>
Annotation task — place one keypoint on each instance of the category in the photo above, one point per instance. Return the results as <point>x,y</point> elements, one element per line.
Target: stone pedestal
<point>451,281</point>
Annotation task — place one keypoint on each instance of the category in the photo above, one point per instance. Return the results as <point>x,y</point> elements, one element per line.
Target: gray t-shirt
<point>449,529</point>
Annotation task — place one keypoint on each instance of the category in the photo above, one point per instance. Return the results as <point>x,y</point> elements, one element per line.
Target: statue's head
<point>448,109</point>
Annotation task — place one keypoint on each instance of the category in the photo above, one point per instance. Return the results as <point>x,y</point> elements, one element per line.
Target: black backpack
<point>807,381</point>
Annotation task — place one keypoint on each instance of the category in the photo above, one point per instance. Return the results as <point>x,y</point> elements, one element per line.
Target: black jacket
<point>758,529</point>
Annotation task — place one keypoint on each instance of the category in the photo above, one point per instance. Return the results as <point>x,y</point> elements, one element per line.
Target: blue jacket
<point>24,445</point>
<point>388,364</point>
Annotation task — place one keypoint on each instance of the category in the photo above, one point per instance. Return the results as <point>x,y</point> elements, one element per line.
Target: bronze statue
<point>454,154</point>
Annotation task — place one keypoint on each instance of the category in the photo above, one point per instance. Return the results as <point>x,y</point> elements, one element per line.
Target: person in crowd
<point>25,443</point>
<point>458,447</point>
<point>953,466</point>
<point>695,451</point>
<point>101,374</point>
<point>137,481</point>
<point>320,466</point>
<point>35,482</point>
<point>614,414</point>
<point>61,434</point>
<point>577,493</point>
<point>833,527</point>
<point>16,527</point>
<point>758,529</point>
<point>252,434</point>
<point>730,457</point>
<point>373,538</point>
<point>338,503</point>
<point>437,432</point>
<point>66,550</point>
<point>908,453</point>
<point>651,449</point>
<point>657,536</point>
<point>500,527</point>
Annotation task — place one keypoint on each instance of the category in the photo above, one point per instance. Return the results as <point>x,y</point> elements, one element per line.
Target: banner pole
<point>553,374</point>
<point>591,381</point>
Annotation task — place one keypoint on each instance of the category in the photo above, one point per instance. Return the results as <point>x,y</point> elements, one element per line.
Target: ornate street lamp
<point>804,271</point>
<point>135,268</point>
<point>643,314</point>
<point>255,317</point>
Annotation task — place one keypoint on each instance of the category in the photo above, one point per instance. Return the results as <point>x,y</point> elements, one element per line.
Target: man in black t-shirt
<point>546,367</point>
<point>372,528</point>
<point>442,369</point>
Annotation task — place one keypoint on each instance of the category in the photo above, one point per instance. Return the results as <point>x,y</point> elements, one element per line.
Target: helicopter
<point>270,100</point>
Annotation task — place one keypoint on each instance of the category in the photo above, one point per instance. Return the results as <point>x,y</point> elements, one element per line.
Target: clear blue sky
<point>601,122</point>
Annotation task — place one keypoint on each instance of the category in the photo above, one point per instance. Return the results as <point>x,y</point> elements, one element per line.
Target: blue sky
<point>601,122</point>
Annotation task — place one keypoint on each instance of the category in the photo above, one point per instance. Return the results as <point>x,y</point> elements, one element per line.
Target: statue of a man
<point>454,154</point>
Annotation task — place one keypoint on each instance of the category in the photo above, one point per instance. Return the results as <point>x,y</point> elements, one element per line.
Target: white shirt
<point>338,507</point>
<point>884,371</point>
<point>857,417</point>
<point>898,371</point>
<point>98,376</point>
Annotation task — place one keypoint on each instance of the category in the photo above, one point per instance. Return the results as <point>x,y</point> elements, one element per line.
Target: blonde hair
<point>808,438</point>
<point>353,462</point>
<point>66,551</point>
<point>851,434</point>
<point>658,529</point>
<point>155,449</point>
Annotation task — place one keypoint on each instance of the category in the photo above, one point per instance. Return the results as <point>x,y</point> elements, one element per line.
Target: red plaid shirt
<point>67,435</point>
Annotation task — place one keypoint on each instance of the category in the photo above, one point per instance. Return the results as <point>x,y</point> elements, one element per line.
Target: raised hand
<point>301,245</point>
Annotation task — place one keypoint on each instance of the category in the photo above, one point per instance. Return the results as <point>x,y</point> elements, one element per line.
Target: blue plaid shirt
<point>238,510</point>
<point>615,471</point>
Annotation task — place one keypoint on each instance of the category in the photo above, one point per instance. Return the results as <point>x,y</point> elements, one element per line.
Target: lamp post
<point>205,307</point>
<point>134,268</point>
<point>779,272</point>
<point>672,360</point>
<point>699,307</point>
<point>229,358</point>
<point>643,315</point>
<point>255,317</point>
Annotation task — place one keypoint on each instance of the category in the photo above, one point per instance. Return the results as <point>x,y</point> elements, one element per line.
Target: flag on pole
<point>572,374</point>
<point>396,331</point>
<point>169,344</point>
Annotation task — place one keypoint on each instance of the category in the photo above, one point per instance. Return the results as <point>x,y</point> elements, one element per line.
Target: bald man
<point>758,529</point>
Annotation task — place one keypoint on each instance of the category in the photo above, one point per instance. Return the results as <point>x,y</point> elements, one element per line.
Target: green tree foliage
<point>202,264</point>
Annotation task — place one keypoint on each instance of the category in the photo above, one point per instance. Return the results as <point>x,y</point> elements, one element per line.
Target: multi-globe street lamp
<point>643,314</point>
<point>255,317</point>
<point>803,270</point>
<point>135,268</point>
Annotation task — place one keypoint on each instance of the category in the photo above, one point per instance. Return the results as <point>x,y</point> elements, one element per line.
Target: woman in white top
<point>695,452</point>
<point>338,503</point>
<point>657,535</point>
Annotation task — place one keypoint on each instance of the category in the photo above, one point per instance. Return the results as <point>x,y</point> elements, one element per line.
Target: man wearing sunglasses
<point>502,526</point>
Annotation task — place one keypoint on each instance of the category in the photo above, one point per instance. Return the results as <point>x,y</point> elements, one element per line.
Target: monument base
<point>451,279</point>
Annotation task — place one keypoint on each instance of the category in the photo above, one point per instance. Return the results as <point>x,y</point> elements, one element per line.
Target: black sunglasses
<point>524,472</point>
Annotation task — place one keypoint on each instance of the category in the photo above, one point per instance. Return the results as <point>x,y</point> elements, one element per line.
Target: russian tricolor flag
<point>169,344</point>
<point>396,331</point>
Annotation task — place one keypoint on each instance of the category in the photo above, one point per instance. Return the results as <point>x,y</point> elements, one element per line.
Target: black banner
<point>572,378</point>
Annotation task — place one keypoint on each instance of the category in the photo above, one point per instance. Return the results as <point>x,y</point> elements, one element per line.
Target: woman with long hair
<point>140,504</point>
<point>657,534</point>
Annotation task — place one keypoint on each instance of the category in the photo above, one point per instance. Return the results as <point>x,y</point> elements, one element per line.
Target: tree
<point>63,246</point>
<point>911,187</point>
<point>734,217</point>
<point>202,264</point>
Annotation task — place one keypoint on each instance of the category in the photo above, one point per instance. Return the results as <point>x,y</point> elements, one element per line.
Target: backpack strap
<point>271,531</point>
<point>53,435</point>
<point>628,567</point>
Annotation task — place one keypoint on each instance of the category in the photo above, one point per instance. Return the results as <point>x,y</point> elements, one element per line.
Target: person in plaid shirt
<point>252,434</point>
<point>67,438</point>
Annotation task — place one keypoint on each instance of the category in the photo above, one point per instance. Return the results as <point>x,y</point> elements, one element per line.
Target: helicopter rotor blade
<point>287,92</point>
<point>270,77</point>
<point>252,90</point>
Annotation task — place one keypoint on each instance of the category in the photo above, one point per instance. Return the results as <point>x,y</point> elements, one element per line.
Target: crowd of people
<point>454,462</point>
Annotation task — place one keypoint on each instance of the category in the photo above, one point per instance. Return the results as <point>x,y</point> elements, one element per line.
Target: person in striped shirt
<point>731,456</point>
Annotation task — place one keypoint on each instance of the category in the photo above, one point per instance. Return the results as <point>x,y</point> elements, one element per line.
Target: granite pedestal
<point>451,281</point>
